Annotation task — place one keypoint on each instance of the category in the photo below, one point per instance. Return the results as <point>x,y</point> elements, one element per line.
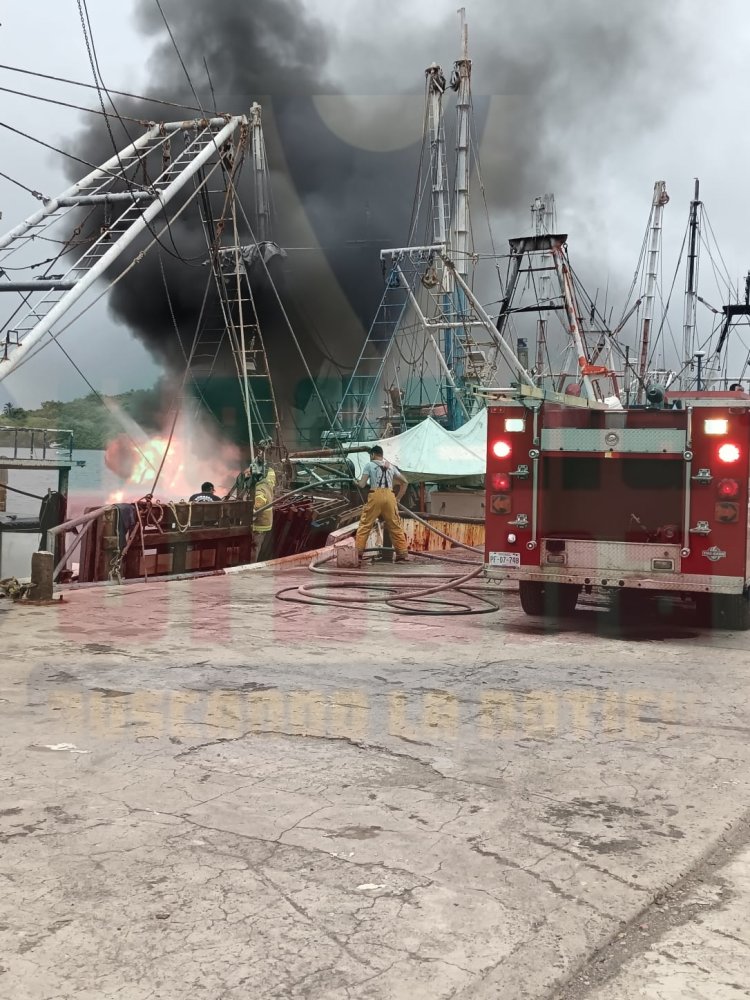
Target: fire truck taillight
<point>501,481</point>
<point>514,425</point>
<point>729,453</point>
<point>501,449</point>
<point>728,488</point>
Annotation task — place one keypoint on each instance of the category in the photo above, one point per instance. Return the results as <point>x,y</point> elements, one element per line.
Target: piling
<point>42,565</point>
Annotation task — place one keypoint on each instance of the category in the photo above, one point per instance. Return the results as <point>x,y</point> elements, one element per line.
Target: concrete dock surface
<point>211,793</point>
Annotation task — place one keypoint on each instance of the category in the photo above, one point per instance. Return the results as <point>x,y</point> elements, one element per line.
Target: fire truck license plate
<point>505,559</point>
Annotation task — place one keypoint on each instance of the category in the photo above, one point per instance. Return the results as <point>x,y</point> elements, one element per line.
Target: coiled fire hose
<point>395,592</point>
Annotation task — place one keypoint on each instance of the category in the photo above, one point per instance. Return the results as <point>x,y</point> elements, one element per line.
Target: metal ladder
<point>354,415</point>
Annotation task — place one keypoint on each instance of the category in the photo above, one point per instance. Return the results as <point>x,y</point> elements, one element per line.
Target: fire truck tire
<point>731,611</point>
<point>550,600</point>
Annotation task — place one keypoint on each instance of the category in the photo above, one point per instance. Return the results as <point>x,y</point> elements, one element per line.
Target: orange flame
<point>187,461</point>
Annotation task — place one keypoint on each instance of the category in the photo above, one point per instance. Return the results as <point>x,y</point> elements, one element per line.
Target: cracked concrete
<point>280,801</point>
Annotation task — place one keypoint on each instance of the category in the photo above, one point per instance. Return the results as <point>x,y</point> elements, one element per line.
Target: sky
<point>673,116</point>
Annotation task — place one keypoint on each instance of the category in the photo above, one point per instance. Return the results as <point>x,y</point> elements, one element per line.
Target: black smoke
<point>571,82</point>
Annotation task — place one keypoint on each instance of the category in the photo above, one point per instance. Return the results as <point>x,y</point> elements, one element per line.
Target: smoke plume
<point>559,88</point>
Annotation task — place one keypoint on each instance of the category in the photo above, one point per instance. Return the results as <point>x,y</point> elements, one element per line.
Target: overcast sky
<point>693,124</point>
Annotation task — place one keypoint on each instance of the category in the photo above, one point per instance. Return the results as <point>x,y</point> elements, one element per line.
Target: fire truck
<point>645,500</point>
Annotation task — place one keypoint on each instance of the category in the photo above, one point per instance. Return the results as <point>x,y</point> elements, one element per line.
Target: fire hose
<point>394,592</point>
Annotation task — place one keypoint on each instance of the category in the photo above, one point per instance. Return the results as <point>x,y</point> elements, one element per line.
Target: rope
<point>182,528</point>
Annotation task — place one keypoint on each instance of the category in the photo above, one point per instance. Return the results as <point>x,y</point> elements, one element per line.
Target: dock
<point>216,793</point>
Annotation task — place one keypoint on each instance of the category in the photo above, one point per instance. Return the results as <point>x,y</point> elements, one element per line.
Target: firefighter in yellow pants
<point>382,477</point>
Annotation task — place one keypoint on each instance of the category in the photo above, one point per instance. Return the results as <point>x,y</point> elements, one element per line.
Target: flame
<point>182,464</point>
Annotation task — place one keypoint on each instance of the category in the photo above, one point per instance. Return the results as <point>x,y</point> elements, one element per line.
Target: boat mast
<point>440,200</point>
<point>657,210</point>
<point>462,78</point>
<point>543,218</point>
<point>461,82</point>
<point>691,286</point>
<point>260,174</point>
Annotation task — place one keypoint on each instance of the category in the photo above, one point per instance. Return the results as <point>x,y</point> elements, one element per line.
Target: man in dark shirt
<point>206,494</point>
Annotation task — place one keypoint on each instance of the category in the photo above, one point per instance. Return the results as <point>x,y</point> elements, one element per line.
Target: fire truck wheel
<point>551,600</point>
<point>730,611</point>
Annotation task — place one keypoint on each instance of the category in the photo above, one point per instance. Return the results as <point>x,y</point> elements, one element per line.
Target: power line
<point>90,86</point>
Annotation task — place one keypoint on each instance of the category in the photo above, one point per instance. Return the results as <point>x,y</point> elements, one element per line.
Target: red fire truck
<point>650,499</point>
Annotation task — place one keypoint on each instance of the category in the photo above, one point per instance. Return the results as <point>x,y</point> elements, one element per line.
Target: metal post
<point>63,480</point>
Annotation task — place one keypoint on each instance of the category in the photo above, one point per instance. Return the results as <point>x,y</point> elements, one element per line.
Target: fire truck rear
<point>649,500</point>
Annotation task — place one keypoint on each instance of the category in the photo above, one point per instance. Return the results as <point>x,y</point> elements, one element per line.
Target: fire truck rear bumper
<point>618,579</point>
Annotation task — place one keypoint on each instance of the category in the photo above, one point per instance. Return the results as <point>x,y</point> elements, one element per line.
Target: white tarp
<point>427,452</point>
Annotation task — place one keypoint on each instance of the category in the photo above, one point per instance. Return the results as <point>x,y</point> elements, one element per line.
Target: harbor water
<point>90,484</point>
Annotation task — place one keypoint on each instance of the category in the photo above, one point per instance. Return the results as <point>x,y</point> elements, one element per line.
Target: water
<point>90,486</point>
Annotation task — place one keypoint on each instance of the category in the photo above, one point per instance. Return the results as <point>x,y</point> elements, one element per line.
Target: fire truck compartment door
<point>600,557</point>
<point>647,440</point>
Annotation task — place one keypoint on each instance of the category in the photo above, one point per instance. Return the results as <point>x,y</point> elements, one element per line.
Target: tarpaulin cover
<point>428,452</point>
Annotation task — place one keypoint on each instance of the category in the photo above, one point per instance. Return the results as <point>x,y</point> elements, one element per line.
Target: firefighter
<point>263,522</point>
<point>382,501</point>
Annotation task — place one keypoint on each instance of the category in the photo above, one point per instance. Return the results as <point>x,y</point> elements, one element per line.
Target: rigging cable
<point>179,394</point>
<point>136,260</point>
<point>179,55</point>
<point>91,86</point>
<point>35,194</point>
<point>65,104</point>
<point>88,37</point>
<point>283,311</point>
<point>62,152</point>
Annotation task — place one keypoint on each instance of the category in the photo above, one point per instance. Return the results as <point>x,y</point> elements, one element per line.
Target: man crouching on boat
<point>382,501</point>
